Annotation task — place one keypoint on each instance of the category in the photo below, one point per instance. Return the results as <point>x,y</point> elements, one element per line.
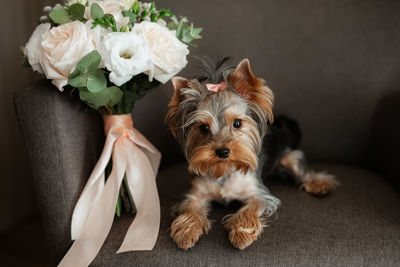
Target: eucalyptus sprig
<point>137,13</point>
<point>184,31</point>
<point>62,15</point>
<point>92,83</point>
<point>104,20</point>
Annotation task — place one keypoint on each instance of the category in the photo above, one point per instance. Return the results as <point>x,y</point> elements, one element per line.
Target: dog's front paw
<point>244,228</point>
<point>319,184</point>
<point>187,228</point>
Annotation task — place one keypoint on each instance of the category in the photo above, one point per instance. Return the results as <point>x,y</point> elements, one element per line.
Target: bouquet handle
<point>136,158</point>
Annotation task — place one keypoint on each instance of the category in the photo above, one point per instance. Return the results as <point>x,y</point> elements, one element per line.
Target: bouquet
<point>111,53</point>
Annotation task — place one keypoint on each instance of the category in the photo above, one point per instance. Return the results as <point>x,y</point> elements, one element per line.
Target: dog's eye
<point>237,123</point>
<point>204,128</point>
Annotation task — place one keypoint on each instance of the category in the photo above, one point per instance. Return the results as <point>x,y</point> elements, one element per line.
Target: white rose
<point>32,48</point>
<point>168,54</point>
<point>62,48</point>
<point>125,54</point>
<point>112,7</point>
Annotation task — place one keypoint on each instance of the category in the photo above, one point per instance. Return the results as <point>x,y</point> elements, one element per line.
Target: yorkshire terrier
<point>224,123</point>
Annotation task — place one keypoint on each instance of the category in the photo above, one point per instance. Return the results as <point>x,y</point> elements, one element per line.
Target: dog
<point>224,123</point>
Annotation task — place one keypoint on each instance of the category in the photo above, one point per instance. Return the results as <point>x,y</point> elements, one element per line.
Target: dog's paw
<point>244,228</point>
<point>187,228</point>
<point>319,183</point>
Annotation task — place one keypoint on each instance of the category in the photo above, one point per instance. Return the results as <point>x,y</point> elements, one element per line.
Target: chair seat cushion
<point>359,224</point>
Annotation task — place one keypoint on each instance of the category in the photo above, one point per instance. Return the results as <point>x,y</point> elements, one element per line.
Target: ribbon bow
<point>216,87</point>
<point>134,158</point>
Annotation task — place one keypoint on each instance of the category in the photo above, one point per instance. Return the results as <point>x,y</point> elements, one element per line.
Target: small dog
<point>224,125</point>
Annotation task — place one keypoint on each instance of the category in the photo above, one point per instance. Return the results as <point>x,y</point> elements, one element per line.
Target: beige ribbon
<point>134,158</point>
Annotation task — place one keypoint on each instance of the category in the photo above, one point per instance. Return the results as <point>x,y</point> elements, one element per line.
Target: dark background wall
<point>17,200</point>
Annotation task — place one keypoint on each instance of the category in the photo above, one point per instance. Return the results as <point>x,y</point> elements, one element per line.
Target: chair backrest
<point>64,140</point>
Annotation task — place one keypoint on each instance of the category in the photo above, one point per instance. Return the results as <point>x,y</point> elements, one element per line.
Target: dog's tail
<point>291,162</point>
<point>282,136</point>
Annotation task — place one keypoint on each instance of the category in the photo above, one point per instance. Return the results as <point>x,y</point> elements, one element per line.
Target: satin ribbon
<point>216,87</point>
<point>134,158</point>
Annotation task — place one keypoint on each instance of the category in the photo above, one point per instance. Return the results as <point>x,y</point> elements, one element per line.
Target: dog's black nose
<point>222,152</point>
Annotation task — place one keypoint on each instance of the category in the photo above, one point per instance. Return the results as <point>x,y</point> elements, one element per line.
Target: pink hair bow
<point>216,87</point>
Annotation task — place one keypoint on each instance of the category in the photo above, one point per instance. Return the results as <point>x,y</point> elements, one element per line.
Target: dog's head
<point>220,125</point>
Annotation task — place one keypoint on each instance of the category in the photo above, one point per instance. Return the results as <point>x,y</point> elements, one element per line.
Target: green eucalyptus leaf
<point>77,79</point>
<point>172,26</point>
<point>196,33</point>
<point>107,97</point>
<point>59,15</point>
<point>186,37</point>
<point>131,15</point>
<point>93,100</point>
<point>175,20</point>
<point>90,62</point>
<point>115,94</point>
<point>96,12</point>
<point>77,11</point>
<point>96,81</point>
<point>179,31</point>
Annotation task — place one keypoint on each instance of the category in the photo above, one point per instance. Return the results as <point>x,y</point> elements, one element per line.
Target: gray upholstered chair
<point>333,65</point>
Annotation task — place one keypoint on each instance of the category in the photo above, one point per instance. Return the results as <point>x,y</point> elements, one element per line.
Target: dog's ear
<point>251,88</point>
<point>186,96</point>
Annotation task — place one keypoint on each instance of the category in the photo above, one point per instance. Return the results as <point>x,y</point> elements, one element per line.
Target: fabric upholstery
<point>356,226</point>
<point>386,136</point>
<point>64,140</point>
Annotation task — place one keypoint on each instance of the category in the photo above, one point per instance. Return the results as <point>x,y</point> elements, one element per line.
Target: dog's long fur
<point>230,142</point>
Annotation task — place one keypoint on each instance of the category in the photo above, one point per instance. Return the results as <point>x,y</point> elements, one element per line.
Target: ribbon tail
<point>100,219</point>
<point>151,151</point>
<point>143,232</point>
<point>93,188</point>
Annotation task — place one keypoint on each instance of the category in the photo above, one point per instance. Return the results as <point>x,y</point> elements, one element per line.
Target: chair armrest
<point>386,136</point>
<point>64,140</point>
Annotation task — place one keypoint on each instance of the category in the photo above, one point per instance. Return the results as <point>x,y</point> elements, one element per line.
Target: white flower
<point>162,22</point>
<point>32,48</point>
<point>144,6</point>
<point>168,54</point>
<point>61,50</point>
<point>125,54</point>
<point>113,7</point>
<point>82,2</point>
<point>127,4</point>
<point>98,33</point>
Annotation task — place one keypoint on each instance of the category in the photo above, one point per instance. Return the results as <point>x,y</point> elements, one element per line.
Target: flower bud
<point>47,9</point>
<point>43,19</point>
